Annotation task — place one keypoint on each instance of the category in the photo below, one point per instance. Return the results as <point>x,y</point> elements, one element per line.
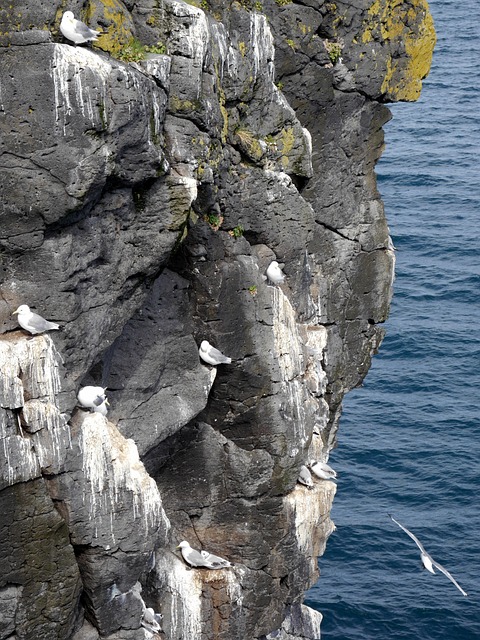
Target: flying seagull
<point>322,470</point>
<point>76,30</point>
<point>211,355</point>
<point>275,273</point>
<point>427,560</point>
<point>32,322</point>
<point>202,559</point>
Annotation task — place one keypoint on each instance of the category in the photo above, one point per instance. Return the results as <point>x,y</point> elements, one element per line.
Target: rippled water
<point>409,441</point>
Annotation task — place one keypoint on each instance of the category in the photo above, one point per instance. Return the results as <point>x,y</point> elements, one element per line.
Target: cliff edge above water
<point>142,203</point>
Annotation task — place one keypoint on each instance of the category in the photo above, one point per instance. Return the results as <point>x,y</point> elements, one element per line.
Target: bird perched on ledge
<point>212,356</point>
<point>202,559</point>
<point>94,399</point>
<point>322,470</point>
<point>305,477</point>
<point>32,322</point>
<point>151,620</point>
<point>275,273</point>
<point>76,30</point>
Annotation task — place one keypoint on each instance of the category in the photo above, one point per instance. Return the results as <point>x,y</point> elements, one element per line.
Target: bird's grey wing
<point>329,469</point>
<point>99,400</point>
<point>219,564</point>
<point>215,353</point>
<point>196,559</point>
<point>85,31</point>
<point>38,323</point>
<point>216,561</point>
<point>448,574</point>
<point>218,355</point>
<point>409,533</point>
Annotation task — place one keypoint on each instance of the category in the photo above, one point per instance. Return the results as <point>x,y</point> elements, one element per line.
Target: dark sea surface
<point>409,440</point>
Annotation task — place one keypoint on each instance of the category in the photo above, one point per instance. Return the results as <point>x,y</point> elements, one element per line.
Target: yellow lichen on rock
<point>120,28</point>
<point>285,142</point>
<point>396,21</point>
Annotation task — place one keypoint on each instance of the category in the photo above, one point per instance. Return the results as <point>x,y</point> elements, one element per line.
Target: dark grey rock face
<point>142,204</point>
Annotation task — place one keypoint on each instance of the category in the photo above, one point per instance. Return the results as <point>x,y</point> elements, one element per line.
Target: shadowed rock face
<point>141,206</point>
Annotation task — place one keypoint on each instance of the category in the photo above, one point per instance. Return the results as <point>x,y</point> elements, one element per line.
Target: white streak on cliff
<point>11,388</point>
<point>50,429</point>
<point>19,462</point>
<point>74,87</point>
<point>311,511</point>
<point>222,49</point>
<point>39,361</point>
<point>194,38</point>
<point>234,588</point>
<point>191,39</point>
<point>115,475</point>
<point>315,375</point>
<point>288,346</point>
<point>262,45</point>
<point>289,355</point>
<point>34,432</point>
<point>185,588</point>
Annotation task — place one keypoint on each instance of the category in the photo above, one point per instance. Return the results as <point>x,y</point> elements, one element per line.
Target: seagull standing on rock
<point>322,470</point>
<point>202,559</point>
<point>32,322</point>
<point>94,399</point>
<point>212,356</point>
<point>275,273</point>
<point>151,620</point>
<point>76,30</point>
<point>305,477</point>
<point>427,560</point>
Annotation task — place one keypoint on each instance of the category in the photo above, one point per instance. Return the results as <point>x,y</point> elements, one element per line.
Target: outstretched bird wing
<point>409,533</point>
<point>449,576</point>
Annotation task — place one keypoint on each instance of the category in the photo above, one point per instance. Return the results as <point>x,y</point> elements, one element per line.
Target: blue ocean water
<point>409,440</point>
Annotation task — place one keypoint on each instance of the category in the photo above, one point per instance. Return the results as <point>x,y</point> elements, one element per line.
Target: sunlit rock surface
<point>142,203</point>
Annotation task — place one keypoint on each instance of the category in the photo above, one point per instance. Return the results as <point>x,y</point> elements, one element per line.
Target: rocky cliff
<point>147,183</point>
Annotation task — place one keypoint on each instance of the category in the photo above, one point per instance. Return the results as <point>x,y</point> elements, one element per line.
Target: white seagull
<point>201,558</point>
<point>211,355</point>
<point>427,560</point>
<point>32,322</point>
<point>76,30</point>
<point>94,399</point>
<point>305,477</point>
<point>322,470</point>
<point>274,273</point>
<point>151,620</point>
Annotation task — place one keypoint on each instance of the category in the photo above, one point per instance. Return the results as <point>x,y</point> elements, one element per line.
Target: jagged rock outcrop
<point>142,204</point>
